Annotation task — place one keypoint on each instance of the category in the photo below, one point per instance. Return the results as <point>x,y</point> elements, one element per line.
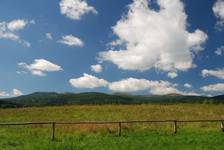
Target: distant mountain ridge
<point>57,99</point>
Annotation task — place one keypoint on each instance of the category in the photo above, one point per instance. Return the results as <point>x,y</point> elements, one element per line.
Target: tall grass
<point>135,136</point>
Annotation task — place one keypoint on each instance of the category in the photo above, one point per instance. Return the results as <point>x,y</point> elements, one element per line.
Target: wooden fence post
<point>222,126</point>
<point>119,128</point>
<point>174,126</point>
<point>53,131</point>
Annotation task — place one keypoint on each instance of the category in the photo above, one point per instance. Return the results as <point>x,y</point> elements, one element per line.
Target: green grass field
<point>105,137</point>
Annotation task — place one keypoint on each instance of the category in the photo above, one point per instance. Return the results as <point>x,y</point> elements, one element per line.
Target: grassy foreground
<point>105,137</point>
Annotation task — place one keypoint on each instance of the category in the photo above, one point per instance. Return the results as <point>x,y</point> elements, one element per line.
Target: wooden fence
<point>119,123</point>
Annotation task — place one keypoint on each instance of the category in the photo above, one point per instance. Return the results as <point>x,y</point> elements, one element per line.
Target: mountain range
<point>57,99</point>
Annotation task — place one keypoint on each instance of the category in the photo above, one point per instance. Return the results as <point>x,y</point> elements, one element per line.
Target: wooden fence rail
<point>119,123</point>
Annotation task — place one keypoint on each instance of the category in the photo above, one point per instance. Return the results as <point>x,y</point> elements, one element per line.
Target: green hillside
<point>54,99</point>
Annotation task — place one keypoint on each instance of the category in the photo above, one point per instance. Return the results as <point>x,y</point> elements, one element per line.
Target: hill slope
<point>51,99</point>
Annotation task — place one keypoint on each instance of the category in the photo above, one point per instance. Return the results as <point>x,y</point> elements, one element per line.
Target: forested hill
<point>51,99</point>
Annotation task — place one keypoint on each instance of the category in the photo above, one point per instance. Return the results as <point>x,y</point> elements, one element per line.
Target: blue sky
<point>134,46</point>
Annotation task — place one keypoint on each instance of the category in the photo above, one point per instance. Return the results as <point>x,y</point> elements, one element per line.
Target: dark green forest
<point>57,99</point>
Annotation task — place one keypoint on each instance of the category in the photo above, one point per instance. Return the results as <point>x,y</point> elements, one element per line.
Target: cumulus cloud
<point>16,25</point>
<point>96,68</point>
<point>8,30</point>
<point>219,87</point>
<point>125,85</point>
<point>88,81</point>
<point>149,38</point>
<point>219,73</point>
<point>128,85</point>
<point>71,40</point>
<point>154,87</point>
<point>220,51</point>
<point>191,94</point>
<point>16,92</point>
<point>218,9</point>
<point>187,85</point>
<point>172,75</point>
<point>3,94</point>
<point>135,85</point>
<point>116,42</point>
<point>74,9</point>
<point>40,67</point>
<point>49,36</point>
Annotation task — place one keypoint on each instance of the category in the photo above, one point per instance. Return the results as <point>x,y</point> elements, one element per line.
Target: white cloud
<point>187,85</point>
<point>71,40</point>
<point>219,87</point>
<point>40,66</point>
<point>49,36</point>
<point>220,51</point>
<point>96,68</point>
<point>16,25</point>
<point>125,85</point>
<point>8,30</point>
<point>88,81</point>
<point>128,85</point>
<point>116,43</point>
<point>150,38</point>
<point>16,92</point>
<point>172,75</point>
<point>218,9</point>
<point>191,94</point>
<point>3,94</point>
<point>154,87</point>
<point>74,9</point>
<point>219,73</point>
<point>135,85</point>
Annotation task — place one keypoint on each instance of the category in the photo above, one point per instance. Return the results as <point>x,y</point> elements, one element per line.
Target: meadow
<point>105,137</point>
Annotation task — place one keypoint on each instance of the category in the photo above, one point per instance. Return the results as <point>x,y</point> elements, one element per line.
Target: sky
<point>129,46</point>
